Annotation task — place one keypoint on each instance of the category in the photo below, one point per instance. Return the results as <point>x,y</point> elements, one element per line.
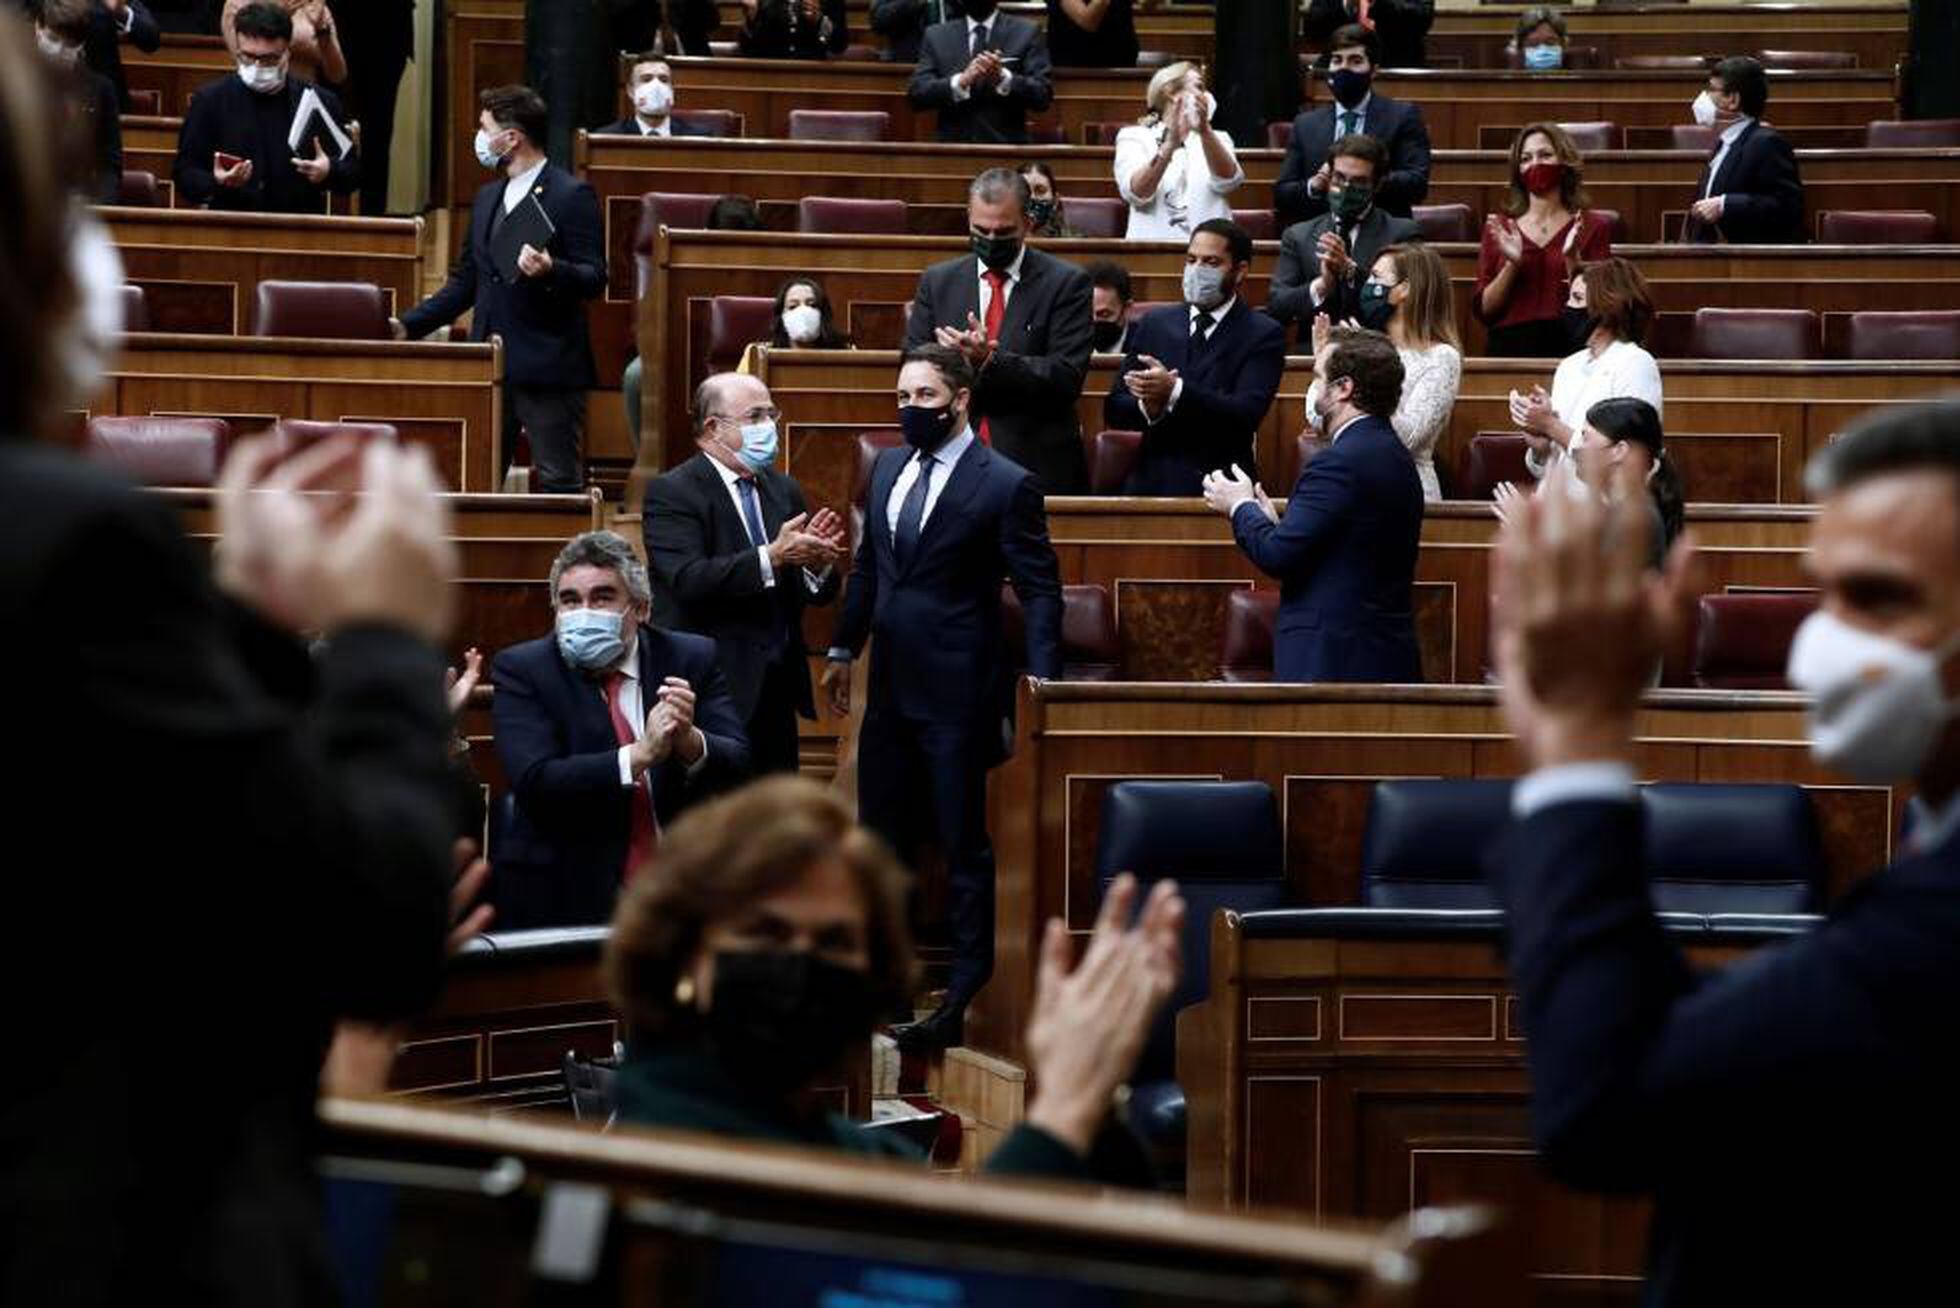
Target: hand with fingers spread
<point>1508,237</point>
<point>796,545</point>
<point>458,686</point>
<point>1224,492</point>
<point>1151,384</point>
<point>315,169</point>
<point>1090,1021</point>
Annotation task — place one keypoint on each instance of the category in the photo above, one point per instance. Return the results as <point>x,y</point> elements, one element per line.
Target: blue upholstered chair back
<point>1425,843</point>
<point>1733,849</point>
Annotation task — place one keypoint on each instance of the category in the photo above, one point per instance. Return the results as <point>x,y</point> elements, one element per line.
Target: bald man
<point>738,556</point>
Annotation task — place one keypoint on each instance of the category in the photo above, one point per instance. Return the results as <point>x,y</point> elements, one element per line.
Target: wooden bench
<point>448,397</point>
<point>199,268</point>
<point>175,69</point>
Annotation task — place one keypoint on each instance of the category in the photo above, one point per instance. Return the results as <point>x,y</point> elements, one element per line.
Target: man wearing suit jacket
<point>1021,317</point>
<point>548,364</point>
<point>945,519</point>
<point>1400,25</point>
<point>903,24</point>
<point>650,86</point>
<point>738,556</point>
<point>1648,1077</point>
<point>1750,193</point>
<point>1199,376</point>
<point>607,729</point>
<point>112,22</point>
<point>1345,553</point>
<point>983,73</point>
<point>1306,176</point>
<point>1324,261</point>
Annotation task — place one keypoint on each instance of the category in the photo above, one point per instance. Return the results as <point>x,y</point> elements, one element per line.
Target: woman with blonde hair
<point>1407,296</point>
<point>1173,168</point>
<point>1531,250</point>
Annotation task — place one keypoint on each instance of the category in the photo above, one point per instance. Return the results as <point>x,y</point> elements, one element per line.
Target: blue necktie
<point>979,40</point>
<point>913,511</point>
<point>745,487</point>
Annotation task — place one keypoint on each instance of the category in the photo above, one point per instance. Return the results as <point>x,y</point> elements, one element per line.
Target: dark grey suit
<point>1299,264</point>
<point>986,115</point>
<point>1028,391</point>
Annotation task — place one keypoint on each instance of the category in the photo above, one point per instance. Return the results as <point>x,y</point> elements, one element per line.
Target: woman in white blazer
<point>1174,169</point>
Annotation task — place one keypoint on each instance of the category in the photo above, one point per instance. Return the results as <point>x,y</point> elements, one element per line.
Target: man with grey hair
<point>1022,319</point>
<point>606,729</point>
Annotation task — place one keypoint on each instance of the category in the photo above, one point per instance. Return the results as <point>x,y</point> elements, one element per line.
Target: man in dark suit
<point>650,86</point>
<point>110,24</point>
<point>1648,1077</point>
<point>738,555</point>
<point>235,151</point>
<point>548,364</point>
<point>1750,193</point>
<point>1345,553</point>
<point>1199,376</point>
<point>983,73</point>
<point>1324,261</point>
<point>1307,175</point>
<point>945,519</point>
<point>1400,26</point>
<point>1021,318</point>
<point>378,39</point>
<point>903,24</point>
<point>607,729</point>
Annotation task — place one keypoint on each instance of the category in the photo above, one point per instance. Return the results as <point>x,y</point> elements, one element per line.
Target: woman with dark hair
<point>802,318</point>
<point>1606,316</point>
<point>1045,216</point>
<point>1531,250</point>
<point>1627,431</point>
<point>1539,42</point>
<point>768,940</point>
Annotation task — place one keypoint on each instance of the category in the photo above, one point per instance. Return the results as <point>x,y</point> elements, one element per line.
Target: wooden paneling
<point>176,68</point>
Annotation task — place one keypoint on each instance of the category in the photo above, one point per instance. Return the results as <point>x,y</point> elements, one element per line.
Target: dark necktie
<point>1350,123</point>
<point>751,515</point>
<point>1201,326</point>
<point>979,40</point>
<point>912,513</point>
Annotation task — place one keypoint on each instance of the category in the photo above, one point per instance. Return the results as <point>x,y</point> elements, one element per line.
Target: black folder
<point>522,226</point>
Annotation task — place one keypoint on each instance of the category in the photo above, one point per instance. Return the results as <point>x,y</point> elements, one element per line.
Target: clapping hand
<point>1225,492</point>
<point>1509,239</point>
<point>1534,416</point>
<point>1333,254</point>
<point>982,70</point>
<point>797,544</point>
<point>458,686</point>
<point>972,342</point>
<point>235,176</point>
<point>1321,180</point>
<point>1323,333</point>
<point>1505,498</point>
<point>1151,384</point>
<point>1707,211</point>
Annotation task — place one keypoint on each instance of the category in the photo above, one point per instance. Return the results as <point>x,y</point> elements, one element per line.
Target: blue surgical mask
<point>1543,56</point>
<point>590,638</point>
<point>486,156</point>
<point>1204,285</point>
<point>759,443</point>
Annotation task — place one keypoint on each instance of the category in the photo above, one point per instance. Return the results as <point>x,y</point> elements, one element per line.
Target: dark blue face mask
<point>1350,87</point>
<point>925,429</point>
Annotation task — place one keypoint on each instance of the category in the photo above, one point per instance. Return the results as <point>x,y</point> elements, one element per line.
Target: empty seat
<point>1047,134</point>
<point>829,214</point>
<point>1591,137</point>
<point>1742,642</point>
<point>1919,134</point>
<point>710,122</point>
<point>140,189</point>
<point>1445,222</point>
<point>1671,63</point>
<point>146,102</point>
<point>664,209</point>
<point>1425,841</point>
<point>839,125</point>
<point>870,444</point>
<point>1807,58</point>
<point>1490,459</point>
<point>1102,133</point>
<point>1877,227</point>
<point>1259,224</point>
<point>1279,135</point>
<point>1693,136</point>
<point>1090,650</point>
<point>1756,334</point>
<point>337,311</point>
<point>1099,215</point>
<point>1112,457</point>
<point>736,322</point>
<point>1732,849</point>
<point>160,451</point>
<point>1930,334</point>
<point>1245,645</point>
<point>291,435</point>
<point>135,308</point>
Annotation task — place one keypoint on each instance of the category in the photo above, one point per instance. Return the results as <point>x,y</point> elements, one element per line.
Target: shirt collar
<point>1933,827</point>
<point>728,475</point>
<point>1361,109</point>
<point>953,450</point>
<point>666,127</point>
<point>1217,315</point>
<point>629,662</point>
<point>1734,130</point>
<point>1344,426</point>
<point>972,22</point>
<point>1013,270</point>
<point>522,182</point>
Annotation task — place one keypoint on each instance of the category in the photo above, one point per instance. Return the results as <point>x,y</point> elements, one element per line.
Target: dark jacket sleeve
<point>921,321</point>
<point>1244,406</point>
<point>1032,85</point>
<point>1289,300</point>
<point>344,178</point>
<point>1315,512</point>
<point>1121,412</point>
<point>143,33</point>
<point>108,143</point>
<point>1290,195</point>
<point>1407,182</point>
<point>1054,378</point>
<point>1032,568</point>
<point>677,533</point>
<point>1116,1157</point>
<point>714,714</point>
<point>542,775</point>
<point>579,269</point>
<point>931,86</point>
<point>840,26</point>
<point>1322,17</point>
<point>1774,202</point>
<point>889,16</point>
<point>861,591</point>
<point>196,142</point>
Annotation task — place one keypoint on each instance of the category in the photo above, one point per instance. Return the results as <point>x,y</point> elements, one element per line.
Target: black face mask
<point>1040,211</point>
<point>925,429</point>
<point>1579,327</point>
<point>1349,87</point>
<point>997,252</point>
<point>1106,334</point>
<point>979,10</point>
<point>781,1018</point>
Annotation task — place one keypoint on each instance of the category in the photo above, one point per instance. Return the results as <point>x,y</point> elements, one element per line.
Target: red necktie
<point>996,310</point>
<point>645,830</point>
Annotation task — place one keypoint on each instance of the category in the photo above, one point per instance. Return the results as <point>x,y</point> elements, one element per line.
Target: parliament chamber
<point>1343,1075</point>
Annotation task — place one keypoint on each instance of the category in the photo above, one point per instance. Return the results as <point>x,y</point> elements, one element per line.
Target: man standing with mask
<point>1021,319</point>
<point>1323,261</point>
<point>1751,192</point>
<point>1345,553</point>
<point>1650,1077</point>
<point>738,555</point>
<point>1199,376</point>
<point>945,519</point>
<point>982,73</point>
<point>245,146</point>
<point>1307,175</point>
<point>540,310</point>
<point>606,729</point>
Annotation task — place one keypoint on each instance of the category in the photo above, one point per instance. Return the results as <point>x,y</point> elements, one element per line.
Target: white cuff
<point>815,580</point>
<point>1006,80</point>
<point>960,92</point>
<point>698,763</point>
<point>838,654</point>
<point>626,777</point>
<point>1569,783</point>
<point>768,568</point>
<point>128,20</point>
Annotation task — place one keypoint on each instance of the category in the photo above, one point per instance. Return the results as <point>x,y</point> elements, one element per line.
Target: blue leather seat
<point>1221,841</point>
<point>1425,842</point>
<point>1751,849</point>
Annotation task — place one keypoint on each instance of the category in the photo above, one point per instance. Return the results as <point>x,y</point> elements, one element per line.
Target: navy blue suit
<point>1396,124</point>
<point>1763,192</point>
<point>1229,383</point>
<point>1775,1108</point>
<point>1345,557</point>
<point>941,677</point>
<point>558,860</point>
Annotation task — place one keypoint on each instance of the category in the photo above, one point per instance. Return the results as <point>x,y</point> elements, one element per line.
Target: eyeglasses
<point>263,60</point>
<point>761,413</point>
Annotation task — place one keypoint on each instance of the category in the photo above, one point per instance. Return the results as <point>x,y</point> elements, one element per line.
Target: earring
<point>684,992</point>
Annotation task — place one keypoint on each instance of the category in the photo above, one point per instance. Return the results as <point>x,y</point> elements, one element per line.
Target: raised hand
<point>1509,240</point>
<point>459,685</point>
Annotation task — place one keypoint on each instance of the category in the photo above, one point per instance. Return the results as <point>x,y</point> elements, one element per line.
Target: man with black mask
<point>1323,261</point>
<point>1021,319</point>
<point>1307,176</point>
<point>946,518</point>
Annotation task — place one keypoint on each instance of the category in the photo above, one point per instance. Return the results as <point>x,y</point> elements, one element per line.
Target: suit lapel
<point>877,524</point>
<point>966,293</point>
<point>951,504</point>
<point>731,533</point>
<point>1021,303</point>
<point>1715,184</point>
<point>1219,343</point>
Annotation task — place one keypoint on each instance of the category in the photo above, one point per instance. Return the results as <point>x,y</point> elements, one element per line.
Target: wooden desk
<point>1875,33</point>
<point>150,146</point>
<point>448,397</point>
<point>1321,749</point>
<point>176,68</point>
<point>200,268</point>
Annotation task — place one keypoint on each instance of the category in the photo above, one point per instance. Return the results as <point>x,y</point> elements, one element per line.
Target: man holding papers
<point>535,253</point>
<point>263,141</point>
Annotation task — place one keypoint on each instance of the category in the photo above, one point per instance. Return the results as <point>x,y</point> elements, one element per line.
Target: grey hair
<point>1904,438</point>
<point>604,549</point>
<point>996,184</point>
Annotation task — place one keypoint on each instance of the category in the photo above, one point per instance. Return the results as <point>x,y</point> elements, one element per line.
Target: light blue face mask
<point>590,638</point>
<point>759,444</point>
<point>1543,56</point>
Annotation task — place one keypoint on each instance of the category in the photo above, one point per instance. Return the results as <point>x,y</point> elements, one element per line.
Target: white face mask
<point>54,49</point>
<point>85,343</point>
<point>1204,285</point>
<point>486,156</point>
<point>1704,109</point>
<point>1880,704</point>
<point>802,323</point>
<point>653,98</point>
<point>263,80</point>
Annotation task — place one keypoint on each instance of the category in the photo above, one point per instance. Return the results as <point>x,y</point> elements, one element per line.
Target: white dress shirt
<point>665,127</point>
<point>1013,272</point>
<point>1730,135</point>
<point>960,91</point>
<point>733,481</point>
<point>1187,194</point>
<point>520,185</point>
<point>1177,387</point>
